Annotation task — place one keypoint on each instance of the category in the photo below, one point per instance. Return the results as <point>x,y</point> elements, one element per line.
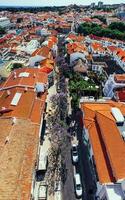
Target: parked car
<point>58,190</point>
<point>43,161</point>
<point>74,153</point>
<point>42,166</point>
<point>42,193</point>
<point>77,185</point>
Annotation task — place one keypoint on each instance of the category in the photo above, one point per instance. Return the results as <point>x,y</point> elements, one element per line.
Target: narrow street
<point>68,191</point>
<point>85,169</point>
<point>68,188</point>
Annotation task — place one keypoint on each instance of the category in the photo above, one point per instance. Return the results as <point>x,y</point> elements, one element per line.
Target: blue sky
<point>54,2</point>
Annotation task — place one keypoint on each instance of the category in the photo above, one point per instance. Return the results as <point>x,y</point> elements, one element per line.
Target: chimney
<point>34,75</point>
<point>26,89</point>
<point>8,92</point>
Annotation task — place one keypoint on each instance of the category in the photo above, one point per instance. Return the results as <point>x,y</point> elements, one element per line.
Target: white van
<point>78,185</point>
<point>43,161</point>
<point>42,193</point>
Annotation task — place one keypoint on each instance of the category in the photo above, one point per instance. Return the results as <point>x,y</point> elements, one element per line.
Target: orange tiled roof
<point>75,47</point>
<point>121,53</point>
<point>113,141</point>
<point>112,48</point>
<point>43,51</point>
<point>47,66</point>
<point>107,143</point>
<point>119,78</point>
<point>34,76</point>
<point>28,99</point>
<point>98,47</point>
<point>18,157</point>
<point>75,37</point>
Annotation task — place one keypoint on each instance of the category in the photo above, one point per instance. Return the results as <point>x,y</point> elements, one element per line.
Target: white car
<point>42,193</point>
<point>78,185</point>
<point>74,153</point>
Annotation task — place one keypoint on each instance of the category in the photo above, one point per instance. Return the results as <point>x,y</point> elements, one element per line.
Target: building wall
<point>4,22</point>
<point>75,56</point>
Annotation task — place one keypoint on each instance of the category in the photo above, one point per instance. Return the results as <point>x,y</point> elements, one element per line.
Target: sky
<point>54,2</point>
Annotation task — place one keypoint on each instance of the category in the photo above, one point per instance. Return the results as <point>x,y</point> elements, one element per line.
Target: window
<point>16,99</point>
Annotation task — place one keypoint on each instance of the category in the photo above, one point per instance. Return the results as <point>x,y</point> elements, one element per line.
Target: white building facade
<point>4,22</point>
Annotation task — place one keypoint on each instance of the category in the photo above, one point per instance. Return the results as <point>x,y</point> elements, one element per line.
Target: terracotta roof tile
<point>25,86</point>
<point>115,146</point>
<point>119,78</point>
<point>43,51</point>
<point>107,143</point>
<point>18,155</point>
<point>17,158</point>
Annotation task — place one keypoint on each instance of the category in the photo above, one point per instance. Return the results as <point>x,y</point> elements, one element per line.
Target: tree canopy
<point>16,66</point>
<point>101,18</point>
<point>119,26</point>
<point>2,30</point>
<point>115,30</point>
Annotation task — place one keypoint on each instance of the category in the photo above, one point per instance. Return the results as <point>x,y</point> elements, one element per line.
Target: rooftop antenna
<point>34,75</point>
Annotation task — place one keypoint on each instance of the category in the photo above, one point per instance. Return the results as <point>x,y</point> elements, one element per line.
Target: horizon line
<point>55,5</point>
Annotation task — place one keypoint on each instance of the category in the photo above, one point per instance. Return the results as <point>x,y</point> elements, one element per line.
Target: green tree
<point>16,66</point>
<point>120,26</point>
<point>101,18</point>
<point>115,31</point>
<point>2,30</point>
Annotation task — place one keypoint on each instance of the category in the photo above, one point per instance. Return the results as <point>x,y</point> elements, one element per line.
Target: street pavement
<point>68,190</point>
<point>83,168</point>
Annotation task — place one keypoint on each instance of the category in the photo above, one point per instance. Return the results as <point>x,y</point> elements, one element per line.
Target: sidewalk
<point>46,143</point>
<point>68,99</point>
<point>51,91</point>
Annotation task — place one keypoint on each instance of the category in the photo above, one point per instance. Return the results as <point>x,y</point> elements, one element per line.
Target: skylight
<point>16,99</point>
<point>23,74</point>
